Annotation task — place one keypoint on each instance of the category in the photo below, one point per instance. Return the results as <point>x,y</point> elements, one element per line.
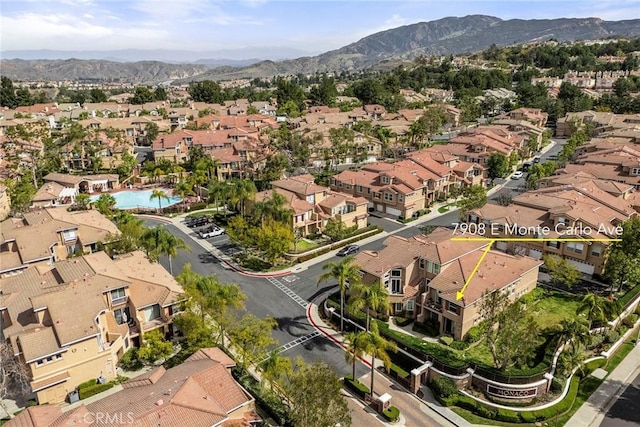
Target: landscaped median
<point>361,234</point>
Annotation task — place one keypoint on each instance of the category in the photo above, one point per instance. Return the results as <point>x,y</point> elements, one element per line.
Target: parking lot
<point>222,242</point>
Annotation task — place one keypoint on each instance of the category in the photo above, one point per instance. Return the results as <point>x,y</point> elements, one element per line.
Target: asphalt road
<point>626,411</point>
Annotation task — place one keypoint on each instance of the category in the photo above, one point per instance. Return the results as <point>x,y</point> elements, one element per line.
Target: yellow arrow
<point>460,293</point>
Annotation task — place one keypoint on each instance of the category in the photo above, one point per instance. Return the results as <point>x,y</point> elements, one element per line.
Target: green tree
<point>336,230</point>
<point>159,195</point>
<point>141,95</point>
<point>154,347</point>
<point>344,272</point>
<point>105,204</point>
<point>97,95</point>
<point>275,368</point>
<point>475,196</point>
<point>82,201</point>
<point>7,93</point>
<point>315,397</point>
<point>288,91</point>
<point>23,97</point>
<point>324,93</point>
<point>378,348</point>
<point>183,189</point>
<point>21,191</point>
<point>274,239</point>
<point>372,297</point>
<point>206,91</point>
<point>562,273</point>
<point>159,241</point>
<point>159,94</point>
<point>597,309</point>
<point>498,165</point>
<point>273,208</point>
<point>151,131</point>
<point>127,240</point>
<point>252,338</point>
<point>573,331</point>
<point>356,343</point>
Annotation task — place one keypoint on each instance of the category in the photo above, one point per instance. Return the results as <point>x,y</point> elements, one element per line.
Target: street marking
<point>295,343</point>
<point>288,292</point>
<point>290,278</point>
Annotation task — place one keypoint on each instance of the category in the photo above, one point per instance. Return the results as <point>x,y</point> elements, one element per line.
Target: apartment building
<point>5,202</point>
<point>200,392</point>
<point>85,183</point>
<point>64,342</point>
<point>314,205</point>
<point>576,210</point>
<point>424,273</point>
<point>48,235</point>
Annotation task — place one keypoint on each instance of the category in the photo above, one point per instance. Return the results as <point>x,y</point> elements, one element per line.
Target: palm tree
<point>105,204</point>
<point>378,348</point>
<point>183,189</point>
<point>356,347</point>
<point>159,241</point>
<point>275,208</point>
<point>344,272</point>
<point>159,194</point>
<point>82,201</point>
<point>597,308</point>
<point>373,297</point>
<point>575,332</point>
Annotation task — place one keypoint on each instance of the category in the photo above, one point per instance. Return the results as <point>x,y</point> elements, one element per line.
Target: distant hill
<point>441,37</point>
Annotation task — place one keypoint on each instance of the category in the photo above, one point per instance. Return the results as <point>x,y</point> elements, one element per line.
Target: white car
<point>517,175</point>
<point>212,232</point>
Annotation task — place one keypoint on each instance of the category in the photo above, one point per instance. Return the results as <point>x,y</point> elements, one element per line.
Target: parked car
<point>517,175</point>
<point>536,159</point>
<point>212,232</point>
<point>198,222</point>
<point>348,250</point>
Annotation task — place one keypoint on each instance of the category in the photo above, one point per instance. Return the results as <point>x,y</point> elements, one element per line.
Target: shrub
<point>444,387</point>
<point>630,320</point>
<point>459,345</point>
<point>638,310</point>
<point>528,417</point>
<point>465,402</point>
<point>446,340</point>
<point>596,340</point>
<point>402,321</point>
<point>611,337</point>
<point>507,415</point>
<point>474,334</point>
<point>94,389</point>
<point>430,328</point>
<point>558,383</point>
<point>391,414</point>
<point>486,412</point>
<point>356,386</point>
<point>401,373</point>
<point>532,296</point>
<point>198,206</point>
<point>588,368</point>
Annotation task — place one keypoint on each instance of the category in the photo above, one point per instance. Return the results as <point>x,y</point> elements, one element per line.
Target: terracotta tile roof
<point>496,271</point>
<point>194,393</point>
<point>35,416</point>
<point>48,191</point>
<point>302,185</point>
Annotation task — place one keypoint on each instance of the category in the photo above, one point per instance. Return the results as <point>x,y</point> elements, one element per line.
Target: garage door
<point>582,266</point>
<point>393,211</point>
<point>535,254</point>
<point>501,246</point>
<point>380,207</point>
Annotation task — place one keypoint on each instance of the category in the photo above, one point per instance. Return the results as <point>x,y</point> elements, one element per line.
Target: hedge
<point>402,321</point>
<point>391,414</point>
<point>324,250</point>
<point>591,366</point>
<point>356,386</point>
<point>444,387</point>
<point>88,391</point>
<point>401,373</point>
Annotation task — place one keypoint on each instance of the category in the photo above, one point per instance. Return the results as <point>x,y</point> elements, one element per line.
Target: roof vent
<point>159,402</point>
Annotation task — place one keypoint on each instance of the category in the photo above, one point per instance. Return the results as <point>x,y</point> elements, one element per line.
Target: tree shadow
<point>321,291</point>
<point>207,258</point>
<point>626,408</point>
<point>295,326</point>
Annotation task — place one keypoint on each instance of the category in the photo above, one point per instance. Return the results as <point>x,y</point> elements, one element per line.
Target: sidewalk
<point>593,411</point>
<point>411,407</point>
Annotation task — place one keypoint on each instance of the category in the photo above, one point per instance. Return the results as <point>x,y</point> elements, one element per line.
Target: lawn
<point>202,213</point>
<point>303,246</point>
<point>443,209</point>
<point>550,310</point>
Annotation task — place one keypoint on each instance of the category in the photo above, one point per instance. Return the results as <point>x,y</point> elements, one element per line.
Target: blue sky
<point>206,25</point>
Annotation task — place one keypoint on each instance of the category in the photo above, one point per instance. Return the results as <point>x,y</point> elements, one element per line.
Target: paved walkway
<point>593,411</point>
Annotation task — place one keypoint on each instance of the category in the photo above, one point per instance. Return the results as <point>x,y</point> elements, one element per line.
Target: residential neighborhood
<point>452,240</point>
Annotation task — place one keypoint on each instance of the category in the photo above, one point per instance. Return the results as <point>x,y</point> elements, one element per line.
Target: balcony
<point>119,300</point>
<point>434,306</point>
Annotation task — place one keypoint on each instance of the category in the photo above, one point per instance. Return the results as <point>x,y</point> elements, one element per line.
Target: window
<point>118,296</point>
<point>359,188</point>
<point>400,198</point>
<point>396,286</point>
<point>151,313</point>
<point>39,362</point>
<point>575,247</point>
<point>397,306</point>
<point>422,263</point>
<point>432,267</point>
<point>561,220</point>
<point>122,315</point>
<point>385,179</point>
<point>553,244</point>
<point>388,196</point>
<point>396,273</point>
<point>69,235</point>
<point>410,305</point>
<point>453,308</point>
<point>596,250</point>
<point>635,171</point>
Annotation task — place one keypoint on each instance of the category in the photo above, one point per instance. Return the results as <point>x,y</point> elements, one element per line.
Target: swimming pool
<point>129,199</point>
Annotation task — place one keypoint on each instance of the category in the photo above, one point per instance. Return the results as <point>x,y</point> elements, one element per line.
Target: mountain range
<point>445,36</point>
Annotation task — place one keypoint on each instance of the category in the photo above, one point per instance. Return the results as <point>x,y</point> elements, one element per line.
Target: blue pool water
<point>140,199</point>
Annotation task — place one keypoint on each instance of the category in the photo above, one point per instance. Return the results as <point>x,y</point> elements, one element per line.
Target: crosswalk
<point>295,343</point>
<point>288,292</point>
